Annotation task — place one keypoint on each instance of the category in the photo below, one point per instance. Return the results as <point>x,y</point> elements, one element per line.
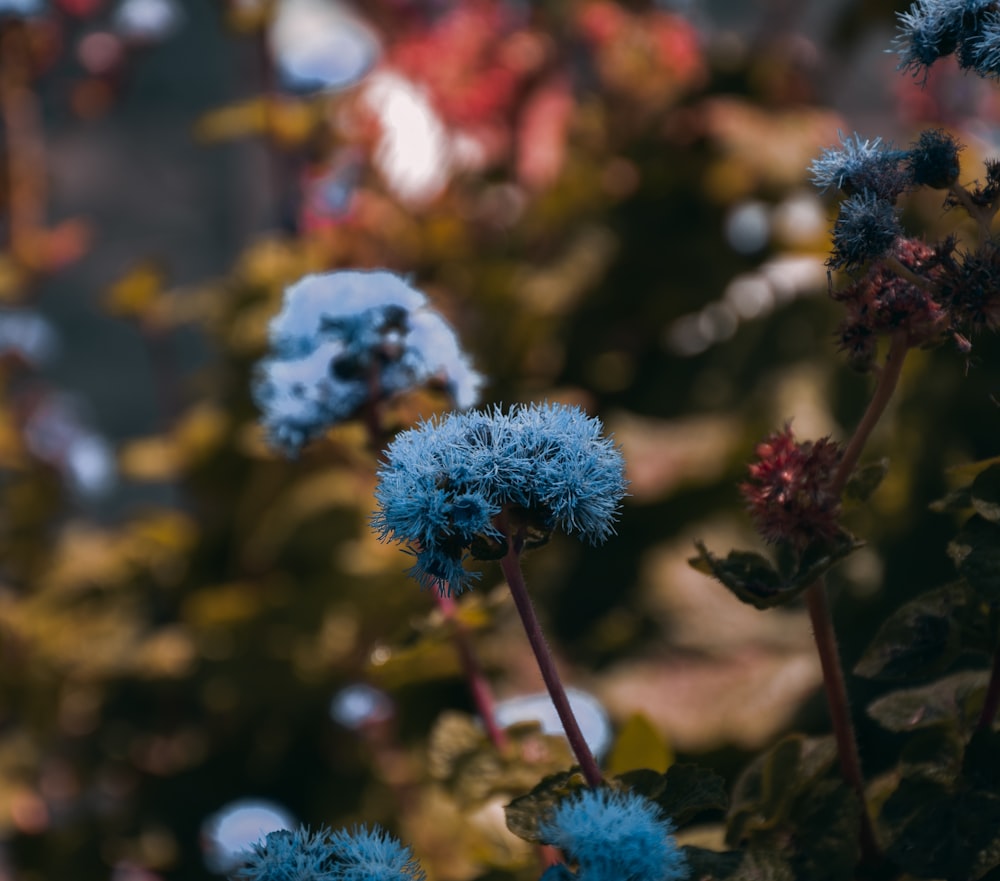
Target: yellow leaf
<point>639,745</point>
<point>137,291</point>
<point>233,121</point>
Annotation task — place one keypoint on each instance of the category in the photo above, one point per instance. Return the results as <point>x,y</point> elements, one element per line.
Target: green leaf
<point>955,502</point>
<point>755,580</point>
<point>734,865</point>
<point>976,553</point>
<point>691,790</point>
<point>750,576</point>
<point>865,480</point>
<point>951,702</point>
<point>939,832</point>
<point>527,812</point>
<point>717,865</point>
<point>934,754</point>
<point>981,765</point>
<point>822,556</point>
<point>767,788</point>
<point>926,635</point>
<point>827,822</point>
<point>985,492</point>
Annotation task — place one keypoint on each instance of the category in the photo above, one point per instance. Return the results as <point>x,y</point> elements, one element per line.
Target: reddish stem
<point>482,695</point>
<point>511,565</point>
<point>840,714</point>
<point>22,126</point>
<point>819,607</point>
<point>992,701</point>
<point>887,381</point>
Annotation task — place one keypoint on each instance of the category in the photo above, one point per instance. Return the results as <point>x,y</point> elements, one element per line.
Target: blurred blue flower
<point>226,834</point>
<point>147,21</point>
<point>444,482</point>
<point>343,338</point>
<point>22,8</point>
<point>323,855</point>
<point>613,835</point>
<point>319,45</point>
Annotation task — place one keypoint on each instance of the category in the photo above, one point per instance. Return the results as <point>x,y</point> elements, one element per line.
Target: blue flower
<point>932,29</point>
<point>613,835</point>
<point>21,8</point>
<point>862,166</point>
<point>323,855</point>
<point>865,229</point>
<point>444,483</point>
<point>344,338</point>
<point>933,159</point>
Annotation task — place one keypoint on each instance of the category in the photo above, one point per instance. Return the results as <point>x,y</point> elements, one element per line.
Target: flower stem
<point>511,565</point>
<point>840,714</point>
<point>819,606</point>
<point>482,695</point>
<point>992,701</point>
<point>887,381</point>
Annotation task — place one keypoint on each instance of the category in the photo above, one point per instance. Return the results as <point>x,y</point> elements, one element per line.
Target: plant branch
<point>482,695</point>
<point>992,700</point>
<point>840,713</point>
<point>22,125</point>
<point>887,381</point>
<point>511,565</point>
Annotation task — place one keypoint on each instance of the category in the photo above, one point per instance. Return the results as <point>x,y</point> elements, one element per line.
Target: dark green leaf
<point>820,557</point>
<point>734,865</point>
<point>750,576</point>
<point>986,493</point>
<point>526,813</point>
<point>981,766</point>
<point>827,822</point>
<point>765,791</point>
<point>691,790</point>
<point>951,702</point>
<point>955,502</point>
<point>719,866</point>
<point>976,553</point>
<point>939,832</point>
<point>925,636</point>
<point>933,754</point>
<point>865,480</point>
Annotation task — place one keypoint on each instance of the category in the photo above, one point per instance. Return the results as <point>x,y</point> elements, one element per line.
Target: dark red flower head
<point>788,492</point>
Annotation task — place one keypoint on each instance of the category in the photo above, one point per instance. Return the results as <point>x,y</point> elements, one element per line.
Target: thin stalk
<point>511,566</point>
<point>818,604</point>
<point>840,713</point>
<point>887,381</point>
<point>22,124</point>
<point>992,701</point>
<point>479,686</point>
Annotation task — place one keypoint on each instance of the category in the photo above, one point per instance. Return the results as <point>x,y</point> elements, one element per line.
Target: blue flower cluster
<point>547,465</point>
<point>932,29</point>
<point>873,175</point>
<point>345,338</point>
<point>361,855</point>
<point>613,836</point>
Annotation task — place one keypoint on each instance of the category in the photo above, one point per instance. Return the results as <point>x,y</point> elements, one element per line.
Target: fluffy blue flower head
<point>866,228</point>
<point>861,166</point>
<point>361,855</point>
<point>547,466</point>
<point>932,29</point>
<point>343,338</point>
<point>612,835</point>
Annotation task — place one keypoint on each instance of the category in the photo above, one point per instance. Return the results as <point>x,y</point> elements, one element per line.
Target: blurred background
<point>609,201</point>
